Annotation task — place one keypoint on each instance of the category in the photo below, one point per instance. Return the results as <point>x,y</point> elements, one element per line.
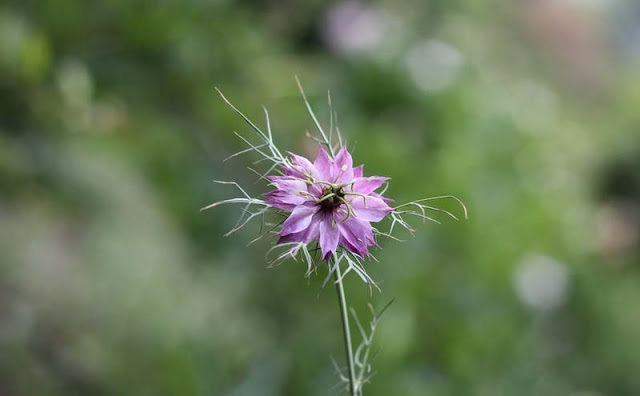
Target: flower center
<point>332,197</point>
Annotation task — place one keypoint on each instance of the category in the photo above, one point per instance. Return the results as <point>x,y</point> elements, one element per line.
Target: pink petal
<point>289,191</point>
<point>306,235</point>
<point>291,172</point>
<point>343,166</point>
<point>289,185</point>
<point>299,219</point>
<point>370,209</point>
<point>357,171</point>
<point>358,234</point>
<point>329,237</point>
<point>314,228</point>
<point>323,164</point>
<point>353,249</point>
<point>278,196</point>
<point>305,167</point>
<point>366,185</point>
<point>385,199</point>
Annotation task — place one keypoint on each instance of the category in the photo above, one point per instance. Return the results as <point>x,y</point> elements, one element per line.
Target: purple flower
<point>330,201</point>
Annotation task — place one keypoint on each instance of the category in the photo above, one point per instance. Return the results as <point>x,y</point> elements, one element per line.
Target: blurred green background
<point>113,283</point>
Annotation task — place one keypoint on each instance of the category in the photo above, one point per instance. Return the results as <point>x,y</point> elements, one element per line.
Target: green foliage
<point>111,132</point>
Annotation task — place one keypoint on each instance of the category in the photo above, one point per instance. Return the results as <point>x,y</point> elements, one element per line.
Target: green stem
<point>342,299</point>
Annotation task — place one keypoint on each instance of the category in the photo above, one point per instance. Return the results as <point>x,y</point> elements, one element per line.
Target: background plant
<point>110,132</point>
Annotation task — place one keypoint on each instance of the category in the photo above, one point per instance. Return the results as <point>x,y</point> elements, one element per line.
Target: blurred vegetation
<point>113,282</point>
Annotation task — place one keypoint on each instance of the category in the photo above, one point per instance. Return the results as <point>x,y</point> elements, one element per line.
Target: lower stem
<point>344,315</point>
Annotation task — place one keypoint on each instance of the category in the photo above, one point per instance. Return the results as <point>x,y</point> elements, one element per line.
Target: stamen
<point>333,186</point>
<point>349,210</point>
<point>327,196</point>
<point>364,197</point>
<point>351,183</point>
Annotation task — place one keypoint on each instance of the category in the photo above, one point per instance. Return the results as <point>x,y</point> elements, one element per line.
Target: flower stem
<point>342,300</point>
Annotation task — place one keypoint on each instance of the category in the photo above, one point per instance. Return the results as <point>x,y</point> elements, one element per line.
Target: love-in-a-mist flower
<point>328,206</point>
<point>330,201</point>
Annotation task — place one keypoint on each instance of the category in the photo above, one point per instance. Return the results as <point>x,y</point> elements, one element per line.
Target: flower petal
<point>299,220</point>
<point>357,171</point>
<point>366,185</point>
<point>358,234</point>
<point>343,166</point>
<point>307,235</point>
<point>329,236</point>
<point>303,166</point>
<point>385,199</point>
<point>289,184</point>
<point>353,249</point>
<point>323,164</point>
<point>370,209</point>
<point>313,230</point>
<point>282,200</point>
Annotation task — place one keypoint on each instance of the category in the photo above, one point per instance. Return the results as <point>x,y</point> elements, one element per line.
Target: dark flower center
<point>332,197</point>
